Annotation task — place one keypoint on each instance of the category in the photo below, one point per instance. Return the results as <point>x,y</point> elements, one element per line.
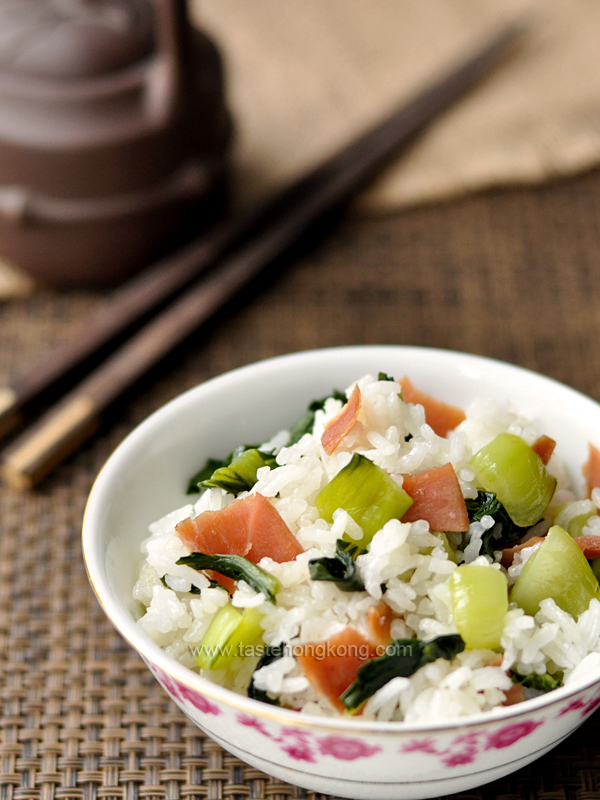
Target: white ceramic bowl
<point>146,477</point>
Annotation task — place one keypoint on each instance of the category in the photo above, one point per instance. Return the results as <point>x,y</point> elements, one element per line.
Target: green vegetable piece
<point>574,516</point>
<point>479,597</point>
<point>248,633</point>
<point>240,474</point>
<point>227,635</point>
<point>595,565</point>
<point>203,474</point>
<point>195,483</point>
<point>541,683</point>
<point>559,570</point>
<point>485,504</point>
<point>341,569</point>
<point>367,493</point>
<point>306,422</point>
<point>402,659</point>
<point>382,376</point>
<point>212,647</point>
<point>238,568</point>
<point>500,535</point>
<point>577,525</point>
<point>272,653</point>
<point>516,474</point>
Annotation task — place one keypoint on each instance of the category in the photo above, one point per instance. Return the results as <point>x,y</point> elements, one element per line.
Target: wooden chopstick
<point>133,303</point>
<point>295,210</point>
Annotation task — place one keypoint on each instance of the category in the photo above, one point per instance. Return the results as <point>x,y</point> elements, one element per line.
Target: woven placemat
<point>510,275</point>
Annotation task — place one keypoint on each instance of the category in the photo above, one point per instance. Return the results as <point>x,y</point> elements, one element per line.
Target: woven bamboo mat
<point>511,275</point>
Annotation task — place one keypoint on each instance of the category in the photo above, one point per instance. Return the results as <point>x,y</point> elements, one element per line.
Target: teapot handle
<point>165,78</point>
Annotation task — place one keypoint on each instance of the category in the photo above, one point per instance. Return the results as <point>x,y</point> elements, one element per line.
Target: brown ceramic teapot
<point>113,132</point>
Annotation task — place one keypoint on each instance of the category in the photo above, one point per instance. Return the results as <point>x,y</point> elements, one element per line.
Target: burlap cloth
<point>510,274</point>
<point>305,75</point>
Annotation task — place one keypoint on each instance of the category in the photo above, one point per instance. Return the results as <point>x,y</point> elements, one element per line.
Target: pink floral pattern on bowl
<point>346,749</point>
<point>585,705</point>
<point>465,749</point>
<point>510,734</point>
<point>302,745</point>
<point>591,705</point>
<point>183,693</point>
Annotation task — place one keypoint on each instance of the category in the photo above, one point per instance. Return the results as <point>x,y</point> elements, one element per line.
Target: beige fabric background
<point>305,75</point>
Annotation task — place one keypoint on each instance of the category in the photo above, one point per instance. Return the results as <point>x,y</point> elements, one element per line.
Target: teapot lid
<point>73,39</point>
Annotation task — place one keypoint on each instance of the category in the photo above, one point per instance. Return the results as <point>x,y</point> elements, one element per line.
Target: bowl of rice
<point>369,571</point>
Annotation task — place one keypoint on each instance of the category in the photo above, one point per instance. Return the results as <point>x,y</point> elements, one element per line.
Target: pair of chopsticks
<point>162,306</point>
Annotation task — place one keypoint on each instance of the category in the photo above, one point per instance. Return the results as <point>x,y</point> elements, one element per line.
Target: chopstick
<point>133,303</point>
<point>270,229</point>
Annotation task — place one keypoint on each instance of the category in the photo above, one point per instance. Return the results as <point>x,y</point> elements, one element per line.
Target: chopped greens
<point>238,568</point>
<point>240,475</point>
<point>211,465</point>
<point>307,420</point>
<point>558,570</point>
<point>479,598</point>
<point>369,495</point>
<point>402,659</point>
<point>203,475</point>
<point>516,474</point>
<point>272,653</point>
<point>235,474</point>
<point>228,633</point>
<point>486,503</point>
<point>504,532</point>
<point>541,683</point>
<point>341,569</point>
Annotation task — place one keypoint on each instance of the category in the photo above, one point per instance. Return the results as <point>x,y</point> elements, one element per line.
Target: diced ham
<point>331,666</point>
<point>591,469</point>
<point>250,527</point>
<point>437,498</point>
<point>379,622</point>
<point>514,695</point>
<point>227,583</point>
<point>509,553</point>
<point>340,426</point>
<point>590,545</point>
<point>544,447</point>
<point>442,417</point>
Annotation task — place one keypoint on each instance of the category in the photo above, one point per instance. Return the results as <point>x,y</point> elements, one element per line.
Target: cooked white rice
<point>411,562</point>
